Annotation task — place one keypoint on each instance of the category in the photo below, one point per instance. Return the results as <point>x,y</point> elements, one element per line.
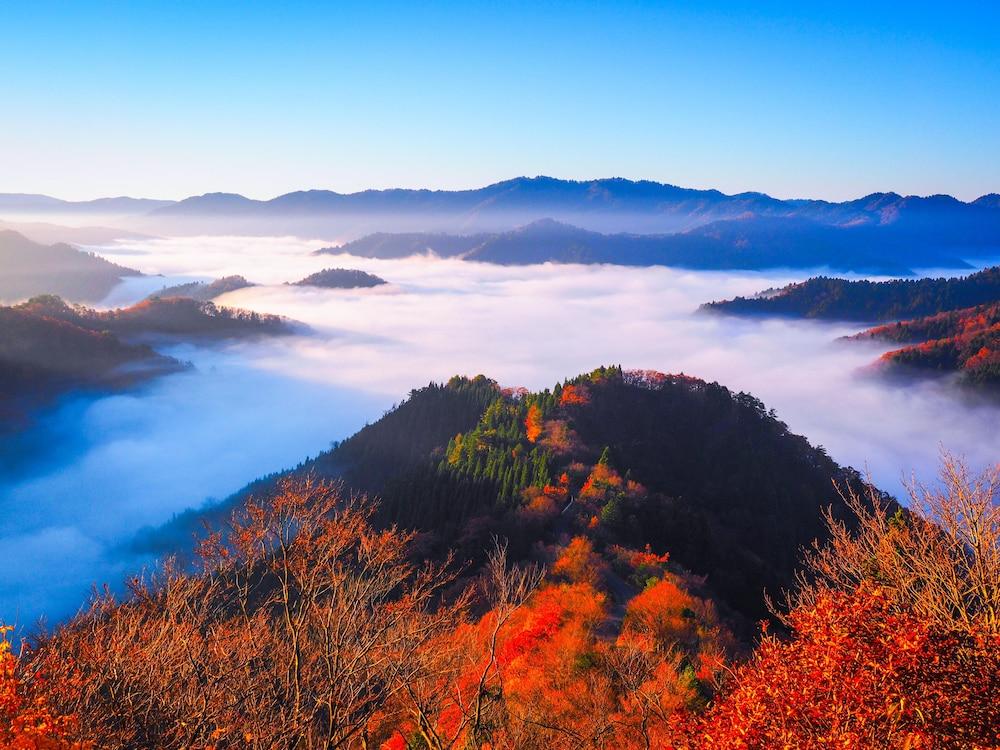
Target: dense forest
<point>959,341</point>
<point>341,278</point>
<point>875,301</point>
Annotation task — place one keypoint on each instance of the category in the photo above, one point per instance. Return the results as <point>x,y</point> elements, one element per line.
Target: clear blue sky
<point>168,99</point>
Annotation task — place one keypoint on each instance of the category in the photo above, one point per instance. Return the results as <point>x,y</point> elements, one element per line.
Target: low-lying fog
<point>102,469</point>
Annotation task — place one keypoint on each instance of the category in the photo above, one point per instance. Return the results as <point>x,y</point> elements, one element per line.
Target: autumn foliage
<point>574,395</point>
<point>533,423</point>
<point>307,625</point>
<point>27,720</point>
<point>895,635</point>
<point>859,674</point>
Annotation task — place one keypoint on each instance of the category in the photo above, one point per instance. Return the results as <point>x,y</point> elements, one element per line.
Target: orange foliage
<point>533,423</point>
<point>578,563</point>
<point>298,633</point>
<point>674,618</point>
<point>602,479</point>
<point>604,483</point>
<point>985,356</point>
<point>560,490</point>
<point>574,395</point>
<point>549,677</point>
<point>539,504</point>
<point>664,612</point>
<point>640,559</point>
<point>860,674</point>
<point>640,565</point>
<point>559,438</point>
<point>27,722</point>
<point>309,627</point>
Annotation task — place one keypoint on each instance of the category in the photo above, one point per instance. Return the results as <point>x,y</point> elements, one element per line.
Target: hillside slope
<point>163,316</point>
<point>964,341</point>
<point>627,458</point>
<point>28,269</point>
<point>48,347</point>
<point>862,300</point>
<point>42,356</point>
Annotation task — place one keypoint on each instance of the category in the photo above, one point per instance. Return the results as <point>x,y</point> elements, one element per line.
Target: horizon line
<point>523,177</point>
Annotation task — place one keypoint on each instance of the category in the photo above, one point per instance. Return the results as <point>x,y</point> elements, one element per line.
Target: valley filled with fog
<point>92,472</point>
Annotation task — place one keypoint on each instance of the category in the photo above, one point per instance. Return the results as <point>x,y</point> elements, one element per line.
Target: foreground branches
<point>308,627</point>
<point>304,625</point>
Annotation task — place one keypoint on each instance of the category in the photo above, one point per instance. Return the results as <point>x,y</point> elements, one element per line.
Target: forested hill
<point>964,341</point>
<point>28,269</point>
<point>341,278</point>
<point>41,356</point>
<point>162,316</point>
<point>202,291</point>
<point>48,347</point>
<point>627,458</point>
<point>841,299</point>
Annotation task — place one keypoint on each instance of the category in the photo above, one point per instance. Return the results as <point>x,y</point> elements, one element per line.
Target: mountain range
<point>883,229</point>
<point>644,206</point>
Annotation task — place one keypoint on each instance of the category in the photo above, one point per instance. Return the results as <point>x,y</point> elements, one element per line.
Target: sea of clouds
<point>104,468</point>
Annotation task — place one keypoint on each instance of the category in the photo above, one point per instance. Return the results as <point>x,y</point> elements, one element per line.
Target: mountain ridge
<point>747,243</point>
<point>904,230</point>
<point>597,191</point>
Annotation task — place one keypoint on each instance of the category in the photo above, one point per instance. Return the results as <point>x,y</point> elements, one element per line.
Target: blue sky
<point>831,100</point>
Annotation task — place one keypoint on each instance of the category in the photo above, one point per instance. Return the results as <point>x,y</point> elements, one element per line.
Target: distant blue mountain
<point>525,198</point>
<point>750,242</point>
<point>708,228</point>
<point>29,203</point>
<point>891,230</point>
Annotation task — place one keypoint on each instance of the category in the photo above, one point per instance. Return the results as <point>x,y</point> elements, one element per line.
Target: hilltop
<point>341,278</point>
<point>43,355</point>
<point>630,458</point>
<point>520,585</point>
